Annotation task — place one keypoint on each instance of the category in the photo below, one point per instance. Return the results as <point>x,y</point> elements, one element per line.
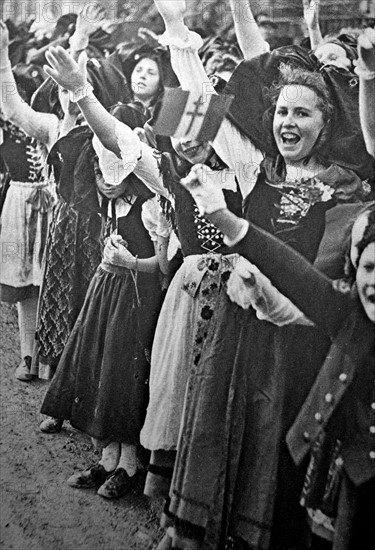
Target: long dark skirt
<point>101,384</point>
<point>231,460</point>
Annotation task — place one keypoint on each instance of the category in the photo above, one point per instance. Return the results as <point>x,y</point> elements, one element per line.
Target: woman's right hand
<point>4,38</point>
<point>64,70</point>
<point>208,197</point>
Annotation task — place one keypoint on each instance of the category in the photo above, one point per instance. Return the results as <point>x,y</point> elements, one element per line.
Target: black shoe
<point>117,484</point>
<point>92,477</point>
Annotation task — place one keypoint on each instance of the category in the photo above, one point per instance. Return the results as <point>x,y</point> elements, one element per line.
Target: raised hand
<point>311,12</point>
<point>64,70</point>
<point>208,197</point>
<point>171,10</point>
<point>89,19</point>
<point>366,49</point>
<point>4,37</point>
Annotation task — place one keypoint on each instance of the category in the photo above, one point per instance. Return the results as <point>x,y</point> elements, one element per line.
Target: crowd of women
<point>212,303</point>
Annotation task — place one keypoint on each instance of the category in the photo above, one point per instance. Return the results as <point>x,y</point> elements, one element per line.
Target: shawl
<point>250,83</point>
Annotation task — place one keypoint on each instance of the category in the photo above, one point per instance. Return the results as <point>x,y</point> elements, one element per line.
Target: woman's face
<point>333,54</point>
<point>145,79</point>
<point>193,151</point>
<point>297,123</point>
<point>365,279</point>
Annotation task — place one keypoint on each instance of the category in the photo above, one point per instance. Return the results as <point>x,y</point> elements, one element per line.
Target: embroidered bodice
<point>24,157</point>
<point>197,235</point>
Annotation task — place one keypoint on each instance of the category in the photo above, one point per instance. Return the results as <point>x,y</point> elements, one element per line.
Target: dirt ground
<point>39,511</point>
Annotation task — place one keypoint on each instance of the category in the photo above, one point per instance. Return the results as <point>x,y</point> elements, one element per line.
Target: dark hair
<point>369,233</point>
<point>296,76</point>
<point>220,62</point>
<point>367,238</point>
<point>154,57</point>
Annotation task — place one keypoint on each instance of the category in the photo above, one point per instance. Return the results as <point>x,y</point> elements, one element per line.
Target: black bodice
<point>197,235</point>
<point>23,156</point>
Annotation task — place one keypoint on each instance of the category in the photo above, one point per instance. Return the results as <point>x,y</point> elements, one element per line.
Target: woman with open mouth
<point>335,426</point>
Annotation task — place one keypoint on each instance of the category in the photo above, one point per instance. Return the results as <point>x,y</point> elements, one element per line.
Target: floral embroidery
<point>215,271</point>
<point>297,197</point>
<point>206,313</point>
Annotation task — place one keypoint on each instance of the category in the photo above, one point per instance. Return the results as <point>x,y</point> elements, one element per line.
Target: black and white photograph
<point>187,275</point>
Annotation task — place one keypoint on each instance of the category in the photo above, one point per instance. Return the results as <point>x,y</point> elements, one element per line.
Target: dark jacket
<point>343,395</point>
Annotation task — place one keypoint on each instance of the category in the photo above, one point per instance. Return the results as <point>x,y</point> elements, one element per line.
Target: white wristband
<point>80,93</point>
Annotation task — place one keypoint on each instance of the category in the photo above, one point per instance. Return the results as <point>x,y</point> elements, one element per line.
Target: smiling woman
<point>302,115</point>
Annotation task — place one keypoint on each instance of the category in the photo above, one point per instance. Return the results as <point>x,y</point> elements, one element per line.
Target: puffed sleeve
<point>154,220</point>
<point>235,150</point>
<point>248,287</point>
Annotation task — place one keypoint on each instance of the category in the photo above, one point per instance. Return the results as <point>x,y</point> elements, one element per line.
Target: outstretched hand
<point>4,36</point>
<point>64,70</point>
<point>89,19</point>
<point>171,10</point>
<point>366,49</point>
<point>311,12</point>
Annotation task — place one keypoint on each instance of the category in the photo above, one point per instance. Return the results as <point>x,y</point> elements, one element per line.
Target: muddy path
<point>39,511</point>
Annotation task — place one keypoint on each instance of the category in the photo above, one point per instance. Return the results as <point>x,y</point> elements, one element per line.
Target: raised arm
<point>184,46</point>
<point>42,126</point>
<point>237,152</point>
<point>72,76</point>
<point>248,35</point>
<point>311,16</point>
<point>311,291</point>
<point>89,19</point>
<point>366,72</point>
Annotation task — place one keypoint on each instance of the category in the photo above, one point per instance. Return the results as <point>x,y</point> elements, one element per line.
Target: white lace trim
<point>191,40</point>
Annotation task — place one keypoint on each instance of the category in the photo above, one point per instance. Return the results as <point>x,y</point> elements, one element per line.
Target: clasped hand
<point>208,197</point>
<point>116,253</point>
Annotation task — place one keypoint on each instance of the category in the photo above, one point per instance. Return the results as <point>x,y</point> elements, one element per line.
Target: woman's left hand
<point>115,253</point>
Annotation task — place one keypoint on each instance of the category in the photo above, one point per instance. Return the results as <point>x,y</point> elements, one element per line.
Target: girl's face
<point>333,54</point>
<point>111,191</point>
<point>297,123</point>
<point>193,151</point>
<point>145,79</point>
<point>365,279</point>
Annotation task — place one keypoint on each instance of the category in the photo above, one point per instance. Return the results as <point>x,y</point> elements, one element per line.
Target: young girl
<point>101,384</point>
